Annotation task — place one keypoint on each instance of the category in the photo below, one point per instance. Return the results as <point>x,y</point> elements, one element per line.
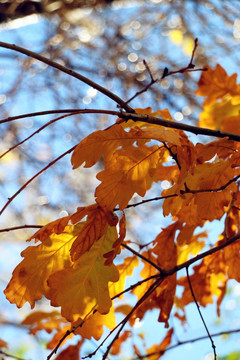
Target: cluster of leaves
<point>73,264</point>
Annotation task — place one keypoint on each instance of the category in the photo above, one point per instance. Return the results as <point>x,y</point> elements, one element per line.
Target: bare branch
<point>143,258</point>
<point>34,177</point>
<point>180,343</point>
<point>34,133</point>
<point>201,316</point>
<point>70,72</point>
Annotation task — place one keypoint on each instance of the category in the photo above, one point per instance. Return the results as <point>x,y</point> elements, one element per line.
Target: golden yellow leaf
<point>93,326</point>
<point>29,279</point>
<point>127,172</point>
<point>189,244</point>
<point>125,269</point>
<point>77,289</point>
<point>110,256</point>
<point>215,115</point>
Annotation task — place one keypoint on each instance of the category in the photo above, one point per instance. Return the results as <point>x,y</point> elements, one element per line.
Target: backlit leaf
<point>129,171</point>
<point>93,326</point>
<point>84,285</point>
<point>216,83</point>
<point>29,279</point>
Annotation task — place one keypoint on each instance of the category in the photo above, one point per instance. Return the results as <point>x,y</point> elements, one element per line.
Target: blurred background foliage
<point>107,42</point>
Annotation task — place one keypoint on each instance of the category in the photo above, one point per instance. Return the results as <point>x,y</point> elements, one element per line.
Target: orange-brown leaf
<point>54,227</point>
<point>127,172</point>
<point>93,229</point>
<point>158,350</point>
<point>195,208</point>
<point>208,280</point>
<point>100,143</point>
<point>70,353</point>
<point>216,83</point>
<point>165,247</point>
<point>3,344</point>
<point>120,340</point>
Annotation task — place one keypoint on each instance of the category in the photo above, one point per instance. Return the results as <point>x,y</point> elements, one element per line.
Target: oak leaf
<point>110,256</point>
<point>232,260</point>
<point>93,325</point>
<point>165,247</point>
<point>125,269</point>
<point>100,143</point>
<point>3,344</point>
<point>127,172</point>
<point>194,208</point>
<point>216,83</point>
<point>29,279</point>
<point>120,340</point>
<point>54,227</point>
<point>94,228</point>
<point>70,353</point>
<point>42,320</point>
<point>158,350</point>
<point>84,285</point>
<point>208,281</point>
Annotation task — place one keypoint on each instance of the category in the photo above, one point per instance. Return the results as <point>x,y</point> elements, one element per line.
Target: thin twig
<point>35,132</point>
<point>124,321</point>
<point>10,355</point>
<point>21,227</point>
<point>201,316</point>
<point>182,192</point>
<point>70,72</point>
<point>148,69</point>
<point>34,177</point>
<point>189,68</point>
<point>131,287</point>
<point>180,343</point>
<point>143,258</point>
<point>174,156</point>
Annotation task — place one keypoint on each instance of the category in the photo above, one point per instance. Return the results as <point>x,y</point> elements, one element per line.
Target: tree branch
<point>201,316</point>
<point>34,177</point>
<point>70,72</point>
<point>180,343</point>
